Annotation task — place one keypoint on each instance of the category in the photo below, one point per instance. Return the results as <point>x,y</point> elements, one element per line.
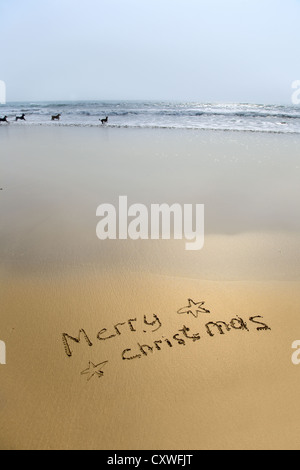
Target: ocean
<point>137,114</point>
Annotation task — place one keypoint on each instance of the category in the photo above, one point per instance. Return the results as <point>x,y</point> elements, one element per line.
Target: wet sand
<point>233,390</point>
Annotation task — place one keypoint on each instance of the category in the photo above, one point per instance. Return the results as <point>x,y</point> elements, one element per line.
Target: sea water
<point>137,114</point>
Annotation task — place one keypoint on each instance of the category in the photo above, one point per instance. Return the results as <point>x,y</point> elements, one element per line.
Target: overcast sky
<point>191,50</point>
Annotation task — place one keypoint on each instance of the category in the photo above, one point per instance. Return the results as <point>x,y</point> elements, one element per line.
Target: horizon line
<point>114,100</point>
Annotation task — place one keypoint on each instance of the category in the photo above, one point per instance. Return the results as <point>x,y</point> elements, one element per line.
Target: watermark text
<point>2,92</point>
<point>2,353</point>
<point>296,354</point>
<point>174,459</point>
<point>296,94</point>
<point>162,221</point>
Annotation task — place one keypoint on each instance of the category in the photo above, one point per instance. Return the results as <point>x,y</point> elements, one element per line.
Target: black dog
<point>56,118</point>
<point>4,119</point>
<point>104,121</point>
<point>20,118</point>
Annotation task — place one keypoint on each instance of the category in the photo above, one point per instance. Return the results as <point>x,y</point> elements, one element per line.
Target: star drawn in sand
<point>194,308</point>
<point>93,370</point>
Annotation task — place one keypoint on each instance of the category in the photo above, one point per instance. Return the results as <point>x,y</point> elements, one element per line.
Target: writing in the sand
<point>151,325</point>
<point>185,335</point>
<point>148,324</point>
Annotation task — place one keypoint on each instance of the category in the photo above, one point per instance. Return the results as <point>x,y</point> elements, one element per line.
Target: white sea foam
<point>236,117</point>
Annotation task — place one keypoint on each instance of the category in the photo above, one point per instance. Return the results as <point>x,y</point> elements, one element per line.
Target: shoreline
<point>96,125</point>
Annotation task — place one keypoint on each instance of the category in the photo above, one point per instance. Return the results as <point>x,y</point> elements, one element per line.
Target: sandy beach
<point>70,302</point>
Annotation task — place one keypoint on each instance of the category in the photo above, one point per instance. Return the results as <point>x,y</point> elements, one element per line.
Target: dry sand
<point>237,390</point>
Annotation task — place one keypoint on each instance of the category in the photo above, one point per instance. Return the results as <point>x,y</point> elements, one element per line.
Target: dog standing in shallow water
<point>20,118</point>
<point>56,118</point>
<point>4,119</point>
<point>104,121</point>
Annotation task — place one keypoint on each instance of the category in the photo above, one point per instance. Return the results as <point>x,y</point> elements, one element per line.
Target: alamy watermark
<point>2,353</point>
<point>296,354</point>
<point>2,92</point>
<point>296,94</point>
<point>160,222</point>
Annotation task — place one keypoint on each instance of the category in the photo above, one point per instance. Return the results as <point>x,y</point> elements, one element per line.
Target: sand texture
<point>98,356</point>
